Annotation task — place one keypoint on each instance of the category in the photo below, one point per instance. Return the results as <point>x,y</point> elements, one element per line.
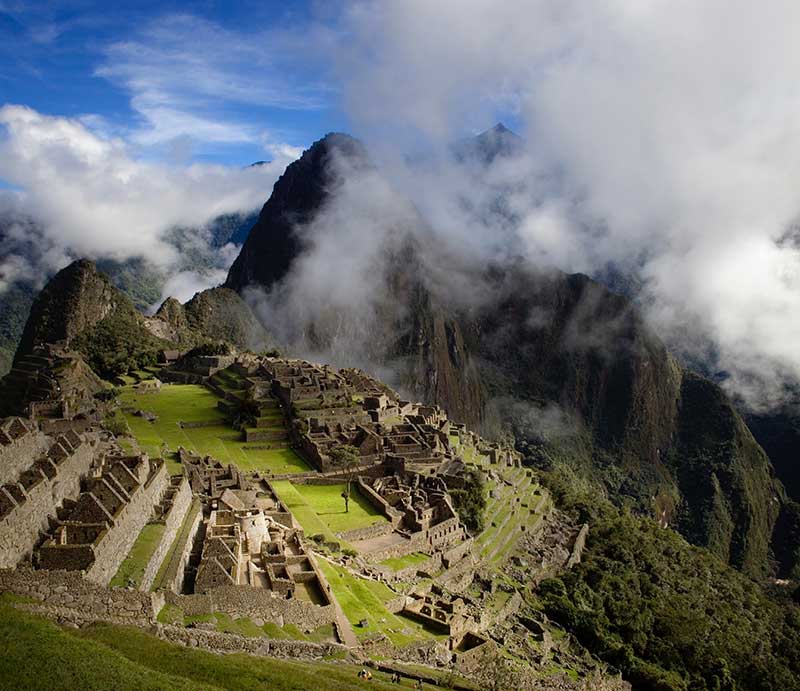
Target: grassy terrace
<point>171,614</point>
<point>132,568</point>
<point>366,599</point>
<point>496,543</point>
<point>320,508</point>
<point>39,656</point>
<point>176,403</point>
<point>400,563</point>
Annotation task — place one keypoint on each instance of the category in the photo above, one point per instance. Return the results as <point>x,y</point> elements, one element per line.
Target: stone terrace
<point>36,493</point>
<point>96,533</point>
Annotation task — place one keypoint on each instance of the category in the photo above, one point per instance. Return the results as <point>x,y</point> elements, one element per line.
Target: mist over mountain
<point>342,267</point>
<point>496,385</point>
<point>203,255</point>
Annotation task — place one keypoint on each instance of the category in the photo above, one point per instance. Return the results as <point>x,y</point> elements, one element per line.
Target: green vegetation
<point>210,348</point>
<point>400,563</point>
<point>515,506</point>
<point>363,599</point>
<point>119,343</point>
<point>39,656</point>
<point>470,502</point>
<point>671,616</point>
<point>132,568</point>
<point>176,403</point>
<point>319,508</point>
<point>170,614</point>
<point>345,457</point>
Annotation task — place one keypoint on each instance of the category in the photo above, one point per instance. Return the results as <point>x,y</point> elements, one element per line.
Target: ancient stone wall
<point>18,454</point>
<point>20,527</point>
<point>62,425</point>
<point>366,533</point>
<point>456,553</point>
<point>71,591</point>
<point>217,642</point>
<point>176,570</point>
<point>578,547</point>
<point>380,503</point>
<point>416,543</point>
<point>256,603</point>
<point>114,547</point>
<point>172,524</point>
<point>444,533</point>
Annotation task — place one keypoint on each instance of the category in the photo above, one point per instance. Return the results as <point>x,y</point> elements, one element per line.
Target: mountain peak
<point>497,141</point>
<point>296,197</point>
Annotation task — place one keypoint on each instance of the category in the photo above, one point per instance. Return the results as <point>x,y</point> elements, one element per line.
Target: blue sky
<point>224,82</point>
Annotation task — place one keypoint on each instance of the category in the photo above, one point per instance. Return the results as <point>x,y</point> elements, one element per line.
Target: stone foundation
<point>255,603</point>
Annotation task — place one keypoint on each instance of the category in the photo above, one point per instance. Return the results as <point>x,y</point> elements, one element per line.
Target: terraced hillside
<point>190,416</point>
<point>305,506</point>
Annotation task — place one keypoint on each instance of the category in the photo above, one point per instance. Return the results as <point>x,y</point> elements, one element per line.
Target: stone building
<point>97,532</point>
<point>251,540</point>
<point>37,487</point>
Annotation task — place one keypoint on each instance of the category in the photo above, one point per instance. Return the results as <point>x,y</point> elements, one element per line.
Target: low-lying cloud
<point>85,195</point>
<point>662,140</point>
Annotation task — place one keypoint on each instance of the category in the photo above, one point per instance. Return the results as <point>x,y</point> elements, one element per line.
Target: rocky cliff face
<point>273,243</point>
<point>658,436</point>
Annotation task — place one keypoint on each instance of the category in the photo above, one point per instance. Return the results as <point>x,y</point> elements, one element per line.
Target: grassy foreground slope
<point>38,655</point>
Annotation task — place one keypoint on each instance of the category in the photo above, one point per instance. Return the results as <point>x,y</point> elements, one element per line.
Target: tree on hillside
<point>244,410</point>
<point>346,457</point>
<point>470,501</point>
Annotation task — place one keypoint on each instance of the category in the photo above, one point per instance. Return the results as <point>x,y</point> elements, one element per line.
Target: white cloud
<point>666,134</point>
<point>183,285</point>
<point>188,76</point>
<point>92,198</point>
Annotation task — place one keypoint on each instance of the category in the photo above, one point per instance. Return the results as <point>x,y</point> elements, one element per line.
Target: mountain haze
<point>520,343</point>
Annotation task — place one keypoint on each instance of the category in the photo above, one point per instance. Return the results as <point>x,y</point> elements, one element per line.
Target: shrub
<point>470,502</point>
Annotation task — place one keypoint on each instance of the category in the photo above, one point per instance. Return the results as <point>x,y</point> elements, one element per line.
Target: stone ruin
<point>240,550</point>
<point>251,540</point>
<point>40,475</point>
<point>420,515</point>
<point>51,382</point>
<point>95,533</point>
<point>210,477</point>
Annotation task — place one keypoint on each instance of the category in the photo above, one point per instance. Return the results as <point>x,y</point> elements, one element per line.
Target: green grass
<point>329,506</point>
<point>39,656</point>
<point>171,614</point>
<point>400,563</point>
<point>303,512</point>
<point>320,508</point>
<point>133,566</point>
<point>366,599</point>
<point>175,403</point>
